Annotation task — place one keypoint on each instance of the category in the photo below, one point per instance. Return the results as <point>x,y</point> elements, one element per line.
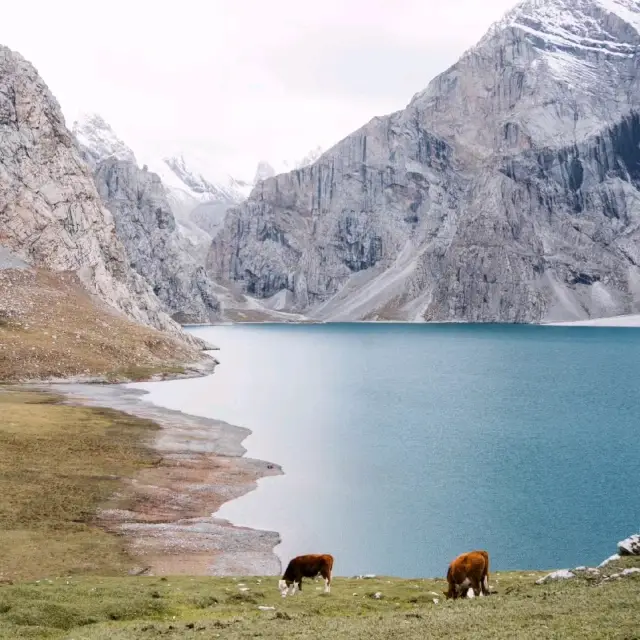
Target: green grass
<point>58,464</point>
<point>90,608</point>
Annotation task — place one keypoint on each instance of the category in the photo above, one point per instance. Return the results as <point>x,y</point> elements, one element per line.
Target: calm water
<point>404,445</point>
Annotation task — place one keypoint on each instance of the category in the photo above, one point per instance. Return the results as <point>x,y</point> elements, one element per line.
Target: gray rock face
<point>630,546</point>
<point>508,190</point>
<point>154,246</point>
<point>50,212</point>
<point>157,247</point>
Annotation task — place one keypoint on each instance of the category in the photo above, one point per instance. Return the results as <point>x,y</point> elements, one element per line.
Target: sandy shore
<point>168,523</point>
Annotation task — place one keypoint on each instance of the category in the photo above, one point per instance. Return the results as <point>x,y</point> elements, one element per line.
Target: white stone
<point>561,574</point>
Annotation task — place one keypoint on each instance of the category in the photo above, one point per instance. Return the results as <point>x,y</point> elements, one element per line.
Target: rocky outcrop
<point>506,191</point>
<point>154,246</point>
<point>50,212</point>
<point>630,546</point>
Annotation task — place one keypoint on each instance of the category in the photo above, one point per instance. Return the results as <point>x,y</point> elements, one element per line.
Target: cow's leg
<point>485,584</point>
<point>326,574</point>
<point>475,586</point>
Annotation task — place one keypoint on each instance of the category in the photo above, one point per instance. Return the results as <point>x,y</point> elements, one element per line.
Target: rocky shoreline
<point>169,522</point>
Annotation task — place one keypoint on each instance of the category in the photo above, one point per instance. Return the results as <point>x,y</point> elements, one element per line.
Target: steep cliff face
<point>154,246</point>
<point>505,191</point>
<point>50,212</point>
<point>157,247</point>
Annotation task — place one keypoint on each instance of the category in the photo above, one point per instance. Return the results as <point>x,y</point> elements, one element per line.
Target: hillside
<point>51,215</point>
<point>51,327</point>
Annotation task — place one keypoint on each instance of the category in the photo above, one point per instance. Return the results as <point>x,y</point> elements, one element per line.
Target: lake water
<point>405,445</point>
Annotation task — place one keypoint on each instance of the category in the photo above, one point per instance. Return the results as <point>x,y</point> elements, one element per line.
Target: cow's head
<point>283,587</point>
<point>451,593</point>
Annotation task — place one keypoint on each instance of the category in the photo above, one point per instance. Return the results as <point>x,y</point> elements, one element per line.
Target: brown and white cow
<point>308,566</point>
<point>469,570</point>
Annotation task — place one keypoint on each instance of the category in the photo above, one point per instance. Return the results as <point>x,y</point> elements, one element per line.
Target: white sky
<point>241,80</point>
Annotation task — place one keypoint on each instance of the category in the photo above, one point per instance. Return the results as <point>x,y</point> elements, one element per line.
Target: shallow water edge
<point>170,527</point>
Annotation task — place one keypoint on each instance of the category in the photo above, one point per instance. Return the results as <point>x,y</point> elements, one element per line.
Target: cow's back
<point>473,563</point>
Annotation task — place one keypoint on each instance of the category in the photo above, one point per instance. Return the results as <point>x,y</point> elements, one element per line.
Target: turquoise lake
<point>405,445</point>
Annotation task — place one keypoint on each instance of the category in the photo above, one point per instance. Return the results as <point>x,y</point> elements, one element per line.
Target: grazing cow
<point>469,570</point>
<point>308,566</point>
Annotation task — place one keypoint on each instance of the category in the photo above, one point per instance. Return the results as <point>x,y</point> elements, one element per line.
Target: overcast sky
<point>241,80</point>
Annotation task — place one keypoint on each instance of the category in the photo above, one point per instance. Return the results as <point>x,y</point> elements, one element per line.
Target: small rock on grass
<point>562,574</point>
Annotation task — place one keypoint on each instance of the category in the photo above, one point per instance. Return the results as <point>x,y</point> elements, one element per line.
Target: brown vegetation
<point>50,327</point>
<point>58,463</point>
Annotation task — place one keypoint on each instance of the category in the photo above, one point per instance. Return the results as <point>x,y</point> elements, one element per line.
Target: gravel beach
<point>170,524</point>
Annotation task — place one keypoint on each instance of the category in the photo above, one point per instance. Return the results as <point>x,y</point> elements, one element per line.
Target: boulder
<point>561,574</point>
<point>630,546</point>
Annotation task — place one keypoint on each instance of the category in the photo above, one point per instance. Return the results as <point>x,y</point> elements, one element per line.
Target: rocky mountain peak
<point>581,55</point>
<point>209,185</point>
<point>99,140</point>
<point>507,189</point>
<point>263,171</point>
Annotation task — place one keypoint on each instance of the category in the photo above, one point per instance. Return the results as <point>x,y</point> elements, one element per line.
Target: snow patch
<point>626,10</point>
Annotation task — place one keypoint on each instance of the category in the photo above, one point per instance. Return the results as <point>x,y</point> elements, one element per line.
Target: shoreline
<point>170,526</point>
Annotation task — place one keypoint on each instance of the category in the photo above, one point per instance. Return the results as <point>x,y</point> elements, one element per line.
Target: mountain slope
<point>158,249</point>
<point>506,191</point>
<point>50,213</point>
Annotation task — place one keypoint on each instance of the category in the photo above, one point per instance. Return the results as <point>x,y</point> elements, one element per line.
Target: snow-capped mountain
<point>198,189</point>
<point>507,190</point>
<point>223,189</point>
<point>99,139</point>
<point>167,253</point>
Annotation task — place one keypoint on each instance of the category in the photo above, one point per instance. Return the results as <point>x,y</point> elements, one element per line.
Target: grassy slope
<point>118,608</point>
<point>51,327</point>
<point>57,465</point>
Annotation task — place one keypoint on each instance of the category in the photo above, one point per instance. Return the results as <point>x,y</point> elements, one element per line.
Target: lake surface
<point>405,445</point>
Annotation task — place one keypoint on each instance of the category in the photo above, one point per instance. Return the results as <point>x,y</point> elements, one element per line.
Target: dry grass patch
<point>50,327</point>
<point>58,463</point>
